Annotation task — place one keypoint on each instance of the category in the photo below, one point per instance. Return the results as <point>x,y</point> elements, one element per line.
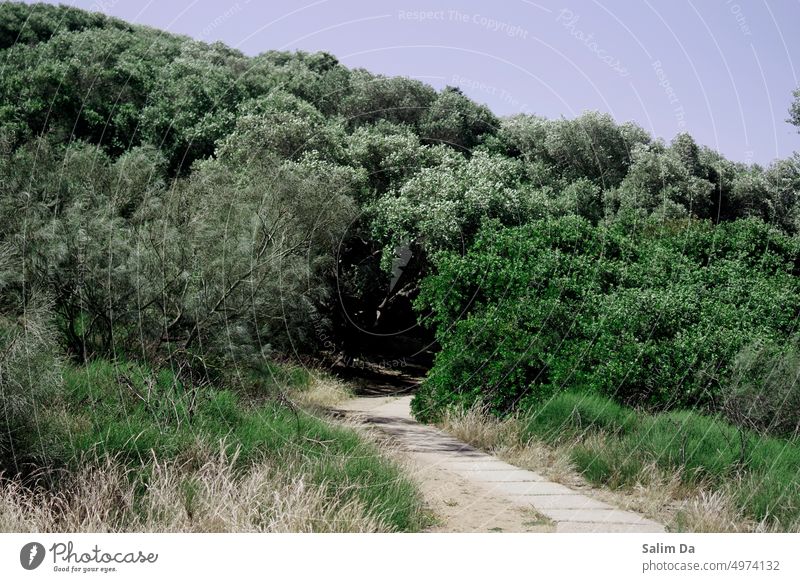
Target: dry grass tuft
<point>207,494</point>
<point>503,437</point>
<point>477,427</point>
<point>323,392</point>
<point>553,462</point>
<point>711,512</point>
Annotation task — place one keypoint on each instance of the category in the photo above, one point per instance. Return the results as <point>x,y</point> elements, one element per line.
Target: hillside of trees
<point>182,209</point>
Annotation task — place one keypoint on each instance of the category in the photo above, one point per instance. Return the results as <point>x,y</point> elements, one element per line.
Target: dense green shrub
<point>652,316</point>
<point>25,25</point>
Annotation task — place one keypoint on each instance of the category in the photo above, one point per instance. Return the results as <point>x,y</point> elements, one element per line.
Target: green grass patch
<point>568,415</point>
<point>613,446</point>
<point>134,413</point>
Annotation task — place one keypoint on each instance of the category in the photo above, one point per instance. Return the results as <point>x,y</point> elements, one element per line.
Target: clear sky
<point>723,70</point>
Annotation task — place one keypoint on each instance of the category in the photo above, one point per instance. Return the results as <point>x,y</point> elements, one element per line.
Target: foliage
<point>91,84</point>
<point>591,146</point>
<point>27,25</point>
<point>456,121</point>
<point>654,315</point>
<point>763,393</point>
<point>660,179</point>
<point>284,125</point>
<point>395,99</point>
<point>442,207</point>
<point>29,374</point>
<point>794,109</point>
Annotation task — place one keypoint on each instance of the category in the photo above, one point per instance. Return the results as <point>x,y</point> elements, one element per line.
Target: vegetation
<point>145,451</point>
<point>692,472</point>
<point>177,218</point>
<point>761,474</point>
<point>652,314</point>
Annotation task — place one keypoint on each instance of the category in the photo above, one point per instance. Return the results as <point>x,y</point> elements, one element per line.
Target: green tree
<point>280,124</point>
<point>794,109</point>
<point>89,85</point>
<point>658,179</point>
<point>25,24</point>
<point>395,99</point>
<point>457,121</point>
<point>193,102</point>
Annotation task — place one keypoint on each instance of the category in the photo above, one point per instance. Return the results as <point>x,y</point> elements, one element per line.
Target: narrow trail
<point>472,491</point>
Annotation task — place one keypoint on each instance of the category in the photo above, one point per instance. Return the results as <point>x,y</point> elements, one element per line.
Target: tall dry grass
<point>324,391</point>
<point>504,438</point>
<point>205,493</point>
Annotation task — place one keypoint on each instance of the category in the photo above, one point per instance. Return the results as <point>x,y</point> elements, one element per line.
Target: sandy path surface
<point>472,491</point>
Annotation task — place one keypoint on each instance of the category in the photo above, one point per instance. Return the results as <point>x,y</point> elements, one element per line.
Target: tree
<point>794,109</point>
<point>317,78</point>
<point>22,24</point>
<point>457,121</point>
<point>395,99</point>
<point>193,102</point>
<point>442,207</point>
<point>89,85</point>
<point>280,124</point>
<point>658,180</point>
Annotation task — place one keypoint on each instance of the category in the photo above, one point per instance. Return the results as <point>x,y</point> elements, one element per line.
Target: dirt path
<point>472,491</point>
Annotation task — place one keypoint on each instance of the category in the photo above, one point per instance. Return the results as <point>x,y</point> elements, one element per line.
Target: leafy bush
<point>652,316</point>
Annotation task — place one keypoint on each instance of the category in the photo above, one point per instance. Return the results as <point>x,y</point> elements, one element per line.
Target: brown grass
<point>504,439</point>
<point>323,392</point>
<point>205,494</point>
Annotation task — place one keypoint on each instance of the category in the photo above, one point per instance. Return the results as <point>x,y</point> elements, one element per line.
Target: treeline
<point>180,204</point>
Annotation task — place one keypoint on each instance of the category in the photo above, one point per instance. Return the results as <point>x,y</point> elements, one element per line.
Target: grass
<point>536,519</point>
<point>215,496</point>
<point>693,472</point>
<point>322,393</point>
<point>145,435</point>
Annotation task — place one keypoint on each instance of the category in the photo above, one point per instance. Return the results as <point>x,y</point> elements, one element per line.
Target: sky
<point>722,70</point>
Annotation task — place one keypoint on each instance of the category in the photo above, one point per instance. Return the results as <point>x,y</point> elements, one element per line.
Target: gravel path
<point>472,491</point>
